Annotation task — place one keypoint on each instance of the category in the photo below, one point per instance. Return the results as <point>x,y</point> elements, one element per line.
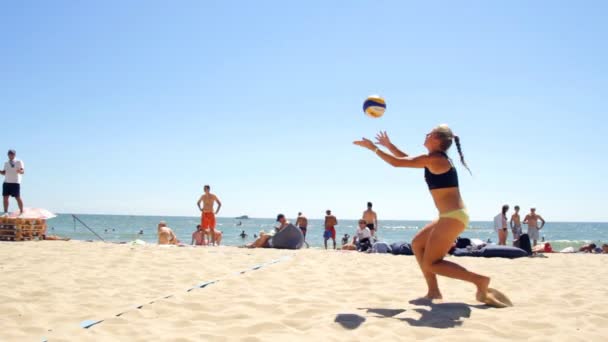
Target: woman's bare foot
<point>434,296</point>
<point>488,295</point>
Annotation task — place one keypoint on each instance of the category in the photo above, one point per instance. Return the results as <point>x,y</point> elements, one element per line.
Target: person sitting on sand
<point>55,238</point>
<point>218,237</point>
<point>263,240</point>
<point>363,237</point>
<point>544,248</point>
<point>166,236</point>
<point>588,248</point>
<point>605,248</point>
<point>198,237</point>
<point>345,239</point>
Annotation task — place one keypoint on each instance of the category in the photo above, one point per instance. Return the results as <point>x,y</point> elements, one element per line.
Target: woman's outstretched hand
<point>365,143</point>
<point>382,139</point>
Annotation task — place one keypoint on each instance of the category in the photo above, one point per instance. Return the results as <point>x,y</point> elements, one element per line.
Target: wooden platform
<point>18,229</point>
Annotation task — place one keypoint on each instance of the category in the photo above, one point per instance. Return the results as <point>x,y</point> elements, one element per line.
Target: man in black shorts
<point>371,219</point>
<point>12,171</point>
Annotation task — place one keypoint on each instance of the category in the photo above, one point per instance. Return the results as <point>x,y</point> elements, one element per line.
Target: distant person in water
<point>330,228</point>
<point>371,219</point>
<point>207,212</point>
<point>243,234</point>
<point>515,224</point>
<point>500,225</point>
<point>141,232</point>
<point>302,223</point>
<point>166,236</point>
<point>198,237</point>
<point>532,221</point>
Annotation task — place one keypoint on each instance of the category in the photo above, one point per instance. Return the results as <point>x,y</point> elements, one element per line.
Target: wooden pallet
<point>16,229</point>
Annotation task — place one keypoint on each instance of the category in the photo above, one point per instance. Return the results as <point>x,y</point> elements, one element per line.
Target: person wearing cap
<point>13,169</point>
<point>281,223</point>
<point>532,221</point>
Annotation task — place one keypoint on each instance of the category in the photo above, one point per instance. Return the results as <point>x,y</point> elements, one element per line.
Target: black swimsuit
<point>448,179</point>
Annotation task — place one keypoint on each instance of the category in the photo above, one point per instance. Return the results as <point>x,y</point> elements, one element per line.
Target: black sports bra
<point>447,179</point>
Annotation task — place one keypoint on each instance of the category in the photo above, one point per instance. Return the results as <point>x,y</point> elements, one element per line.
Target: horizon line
<point>313,218</point>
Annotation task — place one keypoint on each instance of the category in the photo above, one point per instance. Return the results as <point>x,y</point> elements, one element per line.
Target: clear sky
<point>130,107</point>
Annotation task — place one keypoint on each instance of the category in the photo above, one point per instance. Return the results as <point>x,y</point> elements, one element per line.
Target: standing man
<point>208,214</point>
<point>302,223</point>
<point>13,169</point>
<point>515,224</point>
<point>330,228</point>
<point>371,219</point>
<point>500,225</point>
<point>532,221</point>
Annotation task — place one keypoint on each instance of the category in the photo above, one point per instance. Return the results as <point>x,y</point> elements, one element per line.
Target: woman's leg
<point>440,241</point>
<point>418,247</point>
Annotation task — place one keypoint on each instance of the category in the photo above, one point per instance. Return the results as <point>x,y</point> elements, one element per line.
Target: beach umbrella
<point>33,213</point>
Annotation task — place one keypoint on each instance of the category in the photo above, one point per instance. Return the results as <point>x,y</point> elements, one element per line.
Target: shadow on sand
<point>438,316</point>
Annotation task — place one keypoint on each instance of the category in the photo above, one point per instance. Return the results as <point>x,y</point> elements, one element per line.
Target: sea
<point>124,228</point>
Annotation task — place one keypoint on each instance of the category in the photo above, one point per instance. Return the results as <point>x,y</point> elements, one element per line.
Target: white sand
<point>50,287</point>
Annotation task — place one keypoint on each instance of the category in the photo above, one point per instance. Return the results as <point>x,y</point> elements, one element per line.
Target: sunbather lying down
<point>55,238</point>
<point>261,242</point>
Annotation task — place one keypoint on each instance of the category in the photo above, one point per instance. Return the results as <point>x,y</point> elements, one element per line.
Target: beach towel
<point>290,237</point>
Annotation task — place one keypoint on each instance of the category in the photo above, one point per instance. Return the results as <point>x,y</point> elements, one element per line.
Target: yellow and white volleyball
<point>374,106</point>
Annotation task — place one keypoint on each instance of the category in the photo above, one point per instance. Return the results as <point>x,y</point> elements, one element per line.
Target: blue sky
<point>131,107</point>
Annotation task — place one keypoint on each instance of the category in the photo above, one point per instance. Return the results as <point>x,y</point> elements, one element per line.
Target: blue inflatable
<point>401,248</point>
<point>381,247</point>
<point>503,252</point>
<point>290,237</point>
<point>491,251</point>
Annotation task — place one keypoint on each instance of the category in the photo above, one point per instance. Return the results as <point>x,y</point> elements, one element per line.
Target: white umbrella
<point>33,214</point>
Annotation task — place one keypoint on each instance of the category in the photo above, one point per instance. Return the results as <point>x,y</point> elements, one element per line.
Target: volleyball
<point>374,106</point>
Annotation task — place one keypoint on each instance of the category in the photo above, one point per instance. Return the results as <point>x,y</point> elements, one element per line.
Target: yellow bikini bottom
<point>459,214</point>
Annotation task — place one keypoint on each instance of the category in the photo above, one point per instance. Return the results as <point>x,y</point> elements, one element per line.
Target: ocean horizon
<point>126,228</point>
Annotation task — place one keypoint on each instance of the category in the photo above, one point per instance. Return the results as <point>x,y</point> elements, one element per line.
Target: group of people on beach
<point>501,225</point>
<point>368,226</point>
<point>205,233</point>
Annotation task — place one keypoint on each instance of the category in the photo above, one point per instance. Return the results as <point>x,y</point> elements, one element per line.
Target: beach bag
<point>381,247</point>
<point>463,242</point>
<point>524,243</point>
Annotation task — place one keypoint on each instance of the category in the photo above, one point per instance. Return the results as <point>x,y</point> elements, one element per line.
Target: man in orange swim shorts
<point>207,212</point>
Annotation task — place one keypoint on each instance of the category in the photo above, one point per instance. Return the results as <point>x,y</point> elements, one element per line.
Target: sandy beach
<point>266,294</point>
